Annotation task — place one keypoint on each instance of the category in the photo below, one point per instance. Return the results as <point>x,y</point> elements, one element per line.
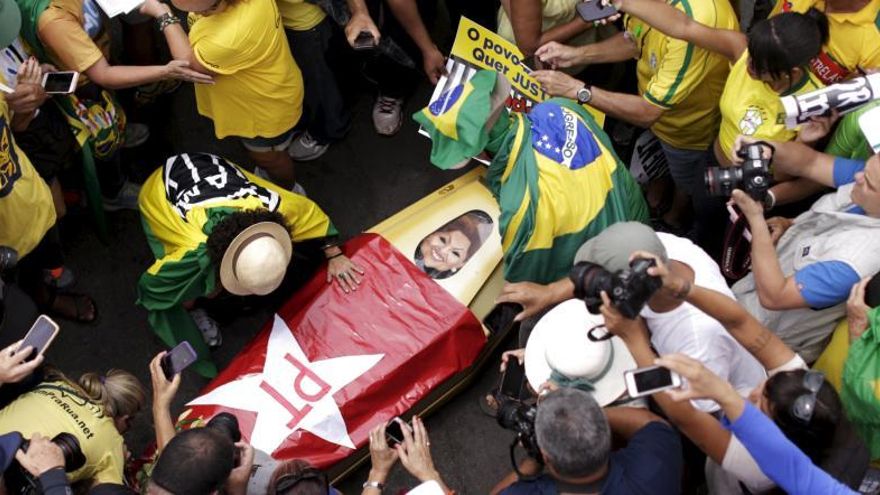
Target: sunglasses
<point>288,481</point>
<point>805,405</point>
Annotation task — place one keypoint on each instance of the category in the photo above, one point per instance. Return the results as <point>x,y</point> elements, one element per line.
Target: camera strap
<point>736,258</point>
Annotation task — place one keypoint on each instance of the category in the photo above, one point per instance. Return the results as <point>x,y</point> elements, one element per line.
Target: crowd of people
<point>778,349</point>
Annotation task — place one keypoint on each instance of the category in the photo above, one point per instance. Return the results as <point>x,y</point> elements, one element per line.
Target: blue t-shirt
<point>826,283</point>
<point>649,464</point>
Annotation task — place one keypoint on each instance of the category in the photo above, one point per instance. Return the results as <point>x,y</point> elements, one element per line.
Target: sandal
<point>82,305</point>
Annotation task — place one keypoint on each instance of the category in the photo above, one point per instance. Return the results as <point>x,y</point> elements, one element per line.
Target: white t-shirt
<point>689,331</point>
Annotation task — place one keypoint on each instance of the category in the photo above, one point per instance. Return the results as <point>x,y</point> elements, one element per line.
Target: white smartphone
<point>41,334</point>
<point>646,381</point>
<point>60,82</point>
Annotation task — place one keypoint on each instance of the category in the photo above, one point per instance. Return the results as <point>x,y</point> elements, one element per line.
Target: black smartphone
<point>41,334</point>
<point>513,379</point>
<point>500,319</point>
<point>177,359</point>
<point>364,41</point>
<point>394,432</point>
<point>594,10</point>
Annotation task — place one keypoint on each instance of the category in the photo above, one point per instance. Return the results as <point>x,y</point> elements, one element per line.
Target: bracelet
<point>374,484</point>
<point>340,253</point>
<point>165,20</point>
<point>683,291</point>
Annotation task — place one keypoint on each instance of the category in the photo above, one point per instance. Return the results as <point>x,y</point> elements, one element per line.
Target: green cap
<point>10,22</point>
<point>458,120</point>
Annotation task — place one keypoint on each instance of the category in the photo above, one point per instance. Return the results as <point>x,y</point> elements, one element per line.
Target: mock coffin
<point>330,365</point>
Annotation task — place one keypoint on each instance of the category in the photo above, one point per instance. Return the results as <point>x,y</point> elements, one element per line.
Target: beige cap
<point>613,246</point>
<point>256,260</point>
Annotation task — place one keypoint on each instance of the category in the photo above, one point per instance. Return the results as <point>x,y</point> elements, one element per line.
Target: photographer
<point>44,460</point>
<point>803,270</point>
<point>414,453</point>
<point>574,436</point>
<point>675,327</point>
<point>826,436</point>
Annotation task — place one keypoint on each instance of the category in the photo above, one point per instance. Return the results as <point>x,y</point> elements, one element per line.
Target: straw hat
<point>256,260</point>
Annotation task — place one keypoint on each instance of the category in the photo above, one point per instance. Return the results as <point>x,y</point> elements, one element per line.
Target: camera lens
<point>721,181</point>
<point>73,455</point>
<point>227,424</point>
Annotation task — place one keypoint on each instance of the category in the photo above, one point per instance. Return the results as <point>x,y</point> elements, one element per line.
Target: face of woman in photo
<point>444,251</point>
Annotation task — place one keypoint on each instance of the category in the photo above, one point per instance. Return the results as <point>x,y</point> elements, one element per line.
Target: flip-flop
<point>485,407</point>
<point>81,304</point>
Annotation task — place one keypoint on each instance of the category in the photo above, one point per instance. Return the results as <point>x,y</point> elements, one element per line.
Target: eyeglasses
<point>288,481</point>
<point>805,405</point>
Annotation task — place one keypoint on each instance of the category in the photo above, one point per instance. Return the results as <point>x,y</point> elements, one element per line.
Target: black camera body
<point>753,176</point>
<point>227,425</point>
<point>629,289</point>
<point>518,417</point>
<point>20,482</point>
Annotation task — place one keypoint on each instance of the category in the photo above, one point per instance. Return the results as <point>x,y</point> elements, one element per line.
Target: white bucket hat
<point>256,260</point>
<point>560,342</point>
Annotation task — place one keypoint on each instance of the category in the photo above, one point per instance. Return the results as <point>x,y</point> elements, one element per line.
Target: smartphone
<point>41,334</point>
<point>513,379</point>
<point>177,359</point>
<point>364,41</point>
<point>500,319</point>
<point>394,432</point>
<point>650,380</point>
<point>60,82</point>
<point>594,10</point>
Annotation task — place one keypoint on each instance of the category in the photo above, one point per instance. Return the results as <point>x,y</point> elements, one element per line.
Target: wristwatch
<point>374,484</point>
<point>584,95</point>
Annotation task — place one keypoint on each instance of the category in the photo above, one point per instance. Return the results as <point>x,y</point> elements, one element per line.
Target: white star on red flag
<point>292,393</point>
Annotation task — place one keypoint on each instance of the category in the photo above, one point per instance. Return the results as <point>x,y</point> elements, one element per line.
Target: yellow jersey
<point>258,88</point>
<point>26,208</point>
<point>750,107</point>
<point>853,41</point>
<point>681,78</point>
<point>57,406</point>
<point>300,15</point>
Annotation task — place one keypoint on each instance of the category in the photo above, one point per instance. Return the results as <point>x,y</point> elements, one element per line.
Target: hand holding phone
<point>394,432</point>
<point>595,10</point>
<point>62,83</point>
<point>364,41</point>
<point>14,366</point>
<point>650,380</point>
<point>513,379</point>
<point>178,359</point>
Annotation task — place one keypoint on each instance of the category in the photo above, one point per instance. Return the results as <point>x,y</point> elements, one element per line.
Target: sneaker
<point>59,278</point>
<point>136,135</point>
<point>387,115</point>
<point>126,199</point>
<point>208,326</point>
<point>305,148</point>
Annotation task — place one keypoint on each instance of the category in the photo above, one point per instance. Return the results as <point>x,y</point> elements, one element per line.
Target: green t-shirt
<point>848,140</point>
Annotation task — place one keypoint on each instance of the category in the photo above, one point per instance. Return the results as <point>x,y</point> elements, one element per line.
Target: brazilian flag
<point>180,204</point>
<point>559,183</point>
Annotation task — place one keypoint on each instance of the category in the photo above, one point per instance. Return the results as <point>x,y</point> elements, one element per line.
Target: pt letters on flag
<point>330,366</point>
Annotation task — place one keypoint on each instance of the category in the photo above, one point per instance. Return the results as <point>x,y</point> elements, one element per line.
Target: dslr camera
<point>753,176</point>
<point>20,481</point>
<point>515,414</point>
<point>227,425</point>
<point>629,289</point>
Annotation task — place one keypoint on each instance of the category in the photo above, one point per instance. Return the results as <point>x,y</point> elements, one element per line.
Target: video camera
<point>753,176</point>
<point>629,289</point>
<point>20,481</point>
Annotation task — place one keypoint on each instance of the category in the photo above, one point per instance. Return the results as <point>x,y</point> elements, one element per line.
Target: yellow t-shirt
<point>26,208</point>
<point>750,107</point>
<point>60,28</point>
<point>681,78</point>
<point>300,15</point>
<point>853,42</point>
<point>55,407</point>
<point>258,89</point>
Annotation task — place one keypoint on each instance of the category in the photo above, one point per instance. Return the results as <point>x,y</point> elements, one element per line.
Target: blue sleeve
<point>542,485</point>
<point>845,170</point>
<point>825,283</point>
<point>652,459</point>
<point>780,459</point>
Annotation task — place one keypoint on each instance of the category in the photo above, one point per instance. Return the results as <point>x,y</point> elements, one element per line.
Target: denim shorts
<point>261,144</point>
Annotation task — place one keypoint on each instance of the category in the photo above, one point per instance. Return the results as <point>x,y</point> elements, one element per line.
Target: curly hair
<point>227,229</point>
